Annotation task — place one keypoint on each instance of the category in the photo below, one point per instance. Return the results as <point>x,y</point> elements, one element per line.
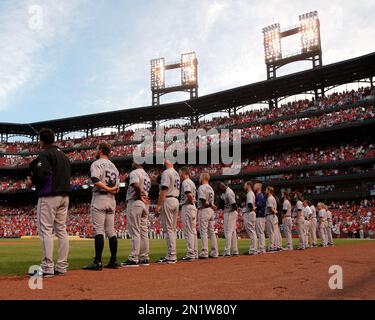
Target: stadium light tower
<point>310,46</point>
<point>189,77</point>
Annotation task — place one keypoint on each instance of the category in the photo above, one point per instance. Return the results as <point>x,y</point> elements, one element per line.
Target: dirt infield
<point>285,275</point>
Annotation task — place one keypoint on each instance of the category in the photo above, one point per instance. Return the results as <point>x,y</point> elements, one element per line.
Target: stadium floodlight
<point>189,68</point>
<point>272,43</point>
<point>309,30</point>
<point>157,73</point>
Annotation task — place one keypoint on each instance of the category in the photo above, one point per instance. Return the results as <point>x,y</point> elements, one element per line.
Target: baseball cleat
<point>187,259</point>
<point>95,266</point>
<point>235,255</point>
<point>213,257</point>
<point>144,263</point>
<point>59,273</point>
<point>112,265</point>
<point>129,263</point>
<point>167,261</point>
<point>251,253</point>
<point>41,274</point>
<point>203,258</point>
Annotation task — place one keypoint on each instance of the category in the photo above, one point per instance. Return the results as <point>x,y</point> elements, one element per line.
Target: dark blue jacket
<point>260,203</point>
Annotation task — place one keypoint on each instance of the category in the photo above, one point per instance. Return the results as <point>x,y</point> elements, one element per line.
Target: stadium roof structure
<point>326,76</point>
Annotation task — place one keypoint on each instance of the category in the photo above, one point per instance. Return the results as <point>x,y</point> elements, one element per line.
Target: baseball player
<point>206,216</point>
<point>189,214</point>
<point>329,227</point>
<point>322,224</point>
<point>167,207</point>
<point>300,221</point>
<point>50,174</point>
<point>307,215</point>
<point>287,221</point>
<point>105,177</point>
<point>228,199</point>
<point>260,211</point>
<point>271,211</point>
<point>249,217</point>
<point>137,216</point>
<point>313,225</point>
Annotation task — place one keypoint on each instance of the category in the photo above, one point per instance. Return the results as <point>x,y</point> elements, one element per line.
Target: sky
<point>74,57</point>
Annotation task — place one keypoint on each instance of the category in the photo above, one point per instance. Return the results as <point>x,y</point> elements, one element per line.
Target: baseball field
<point>284,275</point>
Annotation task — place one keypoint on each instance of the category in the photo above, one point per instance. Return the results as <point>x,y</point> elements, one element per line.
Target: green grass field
<point>17,255</point>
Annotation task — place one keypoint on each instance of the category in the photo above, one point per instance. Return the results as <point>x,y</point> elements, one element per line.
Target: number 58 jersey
<point>105,171</point>
<point>140,177</point>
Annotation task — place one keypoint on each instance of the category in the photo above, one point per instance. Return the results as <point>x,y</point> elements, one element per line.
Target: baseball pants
<point>312,231</point>
<point>329,233</point>
<point>189,225</point>
<point>207,231</point>
<point>260,225</point>
<point>270,229</point>
<point>301,225</point>
<point>287,225</point>
<point>137,217</point>
<point>278,237</point>
<point>249,219</point>
<point>230,226</point>
<point>103,215</point>
<point>168,219</point>
<point>323,233</point>
<point>307,233</point>
<point>51,217</point>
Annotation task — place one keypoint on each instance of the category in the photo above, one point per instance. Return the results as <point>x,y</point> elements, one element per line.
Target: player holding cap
<point>230,219</point>
<point>260,223</point>
<point>329,227</point>
<point>287,221</point>
<point>105,177</point>
<point>206,215</point>
<point>249,217</point>
<point>137,216</point>
<point>307,215</point>
<point>189,214</point>
<point>322,223</point>
<point>167,207</point>
<point>271,211</point>
<point>313,225</point>
<point>300,221</point>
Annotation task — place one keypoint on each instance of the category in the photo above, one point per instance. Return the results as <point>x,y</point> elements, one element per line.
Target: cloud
<point>28,30</point>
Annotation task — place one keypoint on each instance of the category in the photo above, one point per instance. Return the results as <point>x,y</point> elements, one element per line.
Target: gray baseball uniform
<point>249,218</point>
<point>137,215</point>
<point>271,205</point>
<point>103,204</point>
<point>300,221</point>
<point>329,227</point>
<point>307,215</point>
<point>170,179</point>
<point>287,223</point>
<point>323,226</point>
<point>207,221</point>
<point>313,225</point>
<point>189,218</point>
<point>230,222</point>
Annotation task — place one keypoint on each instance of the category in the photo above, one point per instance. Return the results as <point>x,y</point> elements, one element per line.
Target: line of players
<point>178,193</point>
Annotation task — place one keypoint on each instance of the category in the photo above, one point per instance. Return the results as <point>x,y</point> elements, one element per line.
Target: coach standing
<point>50,174</point>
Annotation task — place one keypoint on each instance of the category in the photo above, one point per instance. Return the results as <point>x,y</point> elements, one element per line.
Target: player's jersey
<point>306,212</point>
<point>313,212</point>
<point>270,204</point>
<point>322,215</point>
<point>287,207</point>
<point>229,198</point>
<point>140,177</point>
<point>171,179</point>
<point>205,192</point>
<point>299,206</point>
<point>187,186</point>
<point>250,198</point>
<point>329,216</point>
<point>106,172</point>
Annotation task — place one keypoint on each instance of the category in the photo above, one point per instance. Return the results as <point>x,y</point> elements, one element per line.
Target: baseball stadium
<point>294,214</point>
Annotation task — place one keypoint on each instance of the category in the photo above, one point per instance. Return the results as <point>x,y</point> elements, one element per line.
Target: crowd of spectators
<point>349,220</point>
